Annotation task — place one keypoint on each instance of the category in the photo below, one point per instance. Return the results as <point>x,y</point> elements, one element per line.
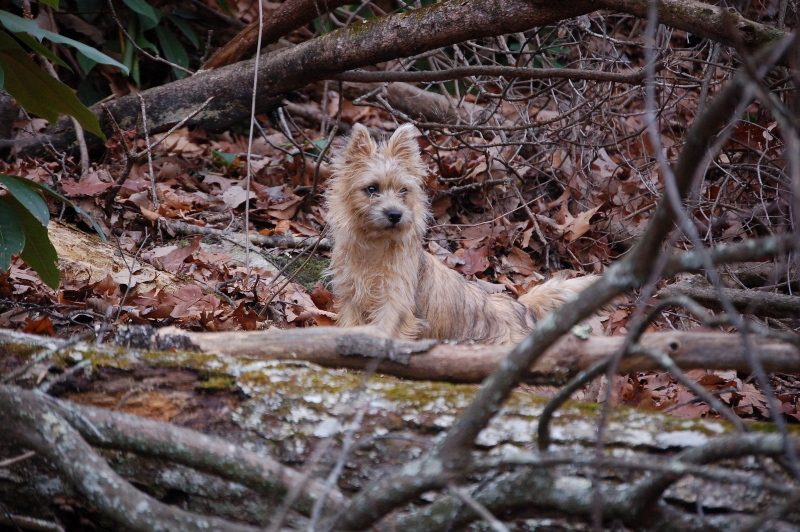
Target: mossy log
<point>298,413</point>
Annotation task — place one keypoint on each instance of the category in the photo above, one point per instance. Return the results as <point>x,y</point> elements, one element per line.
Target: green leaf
<point>18,24</point>
<point>145,44</point>
<point>12,237</point>
<point>38,252</point>
<point>48,190</point>
<point>143,8</point>
<point>51,3</point>
<point>86,63</point>
<point>37,91</point>
<point>39,48</point>
<point>27,197</point>
<point>173,50</point>
<point>186,29</point>
<point>227,159</point>
<point>146,22</point>
<point>2,77</point>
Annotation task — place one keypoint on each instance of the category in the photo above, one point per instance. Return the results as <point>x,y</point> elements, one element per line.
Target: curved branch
<point>290,15</point>
<point>363,76</point>
<point>642,495</point>
<point>116,430</point>
<point>706,20</point>
<point>454,452</point>
<point>745,301</point>
<point>29,422</point>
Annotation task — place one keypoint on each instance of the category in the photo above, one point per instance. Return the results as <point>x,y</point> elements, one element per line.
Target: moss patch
<point>309,274</point>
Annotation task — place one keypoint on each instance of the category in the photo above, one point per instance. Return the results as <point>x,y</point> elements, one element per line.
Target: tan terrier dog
<point>377,215</point>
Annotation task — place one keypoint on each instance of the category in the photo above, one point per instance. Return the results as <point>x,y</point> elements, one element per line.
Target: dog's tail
<point>554,292</point>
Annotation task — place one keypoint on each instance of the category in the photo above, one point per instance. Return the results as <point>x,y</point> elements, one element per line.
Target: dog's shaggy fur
<point>377,215</point>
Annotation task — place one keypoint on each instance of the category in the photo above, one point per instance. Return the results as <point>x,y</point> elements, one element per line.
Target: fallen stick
<point>357,347</point>
<point>766,304</point>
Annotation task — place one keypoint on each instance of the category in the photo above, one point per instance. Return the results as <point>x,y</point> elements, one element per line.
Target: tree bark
<point>83,257</point>
<point>290,15</point>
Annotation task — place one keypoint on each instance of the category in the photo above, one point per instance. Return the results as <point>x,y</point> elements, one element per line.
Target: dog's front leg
<point>397,320</point>
<point>349,315</point>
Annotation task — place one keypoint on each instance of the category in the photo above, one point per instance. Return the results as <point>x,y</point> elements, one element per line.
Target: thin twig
<point>139,48</point>
<point>148,151</point>
<point>20,458</point>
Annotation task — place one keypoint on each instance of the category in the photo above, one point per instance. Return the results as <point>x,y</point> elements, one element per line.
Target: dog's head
<point>376,191</point>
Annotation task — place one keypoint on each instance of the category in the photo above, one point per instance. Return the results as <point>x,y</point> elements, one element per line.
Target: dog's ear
<point>403,144</point>
<point>359,145</point>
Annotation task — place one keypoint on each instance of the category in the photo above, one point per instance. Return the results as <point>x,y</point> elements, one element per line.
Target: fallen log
<point>84,257</point>
<point>293,410</point>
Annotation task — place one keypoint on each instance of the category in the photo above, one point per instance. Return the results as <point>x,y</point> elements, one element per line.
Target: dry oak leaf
<point>475,260</point>
<point>576,227</point>
<point>90,185</point>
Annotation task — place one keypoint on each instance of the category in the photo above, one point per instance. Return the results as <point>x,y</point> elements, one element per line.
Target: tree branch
<point>745,301</point>
<point>363,76</point>
<point>115,430</point>
<point>29,422</point>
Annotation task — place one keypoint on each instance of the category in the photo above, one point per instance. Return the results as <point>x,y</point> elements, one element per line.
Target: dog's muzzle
<point>394,216</point>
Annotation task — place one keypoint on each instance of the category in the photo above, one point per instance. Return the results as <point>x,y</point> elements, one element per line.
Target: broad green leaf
<point>143,8</point>
<point>39,48</point>
<point>186,29</point>
<point>173,50</point>
<point>48,190</point>
<point>2,77</point>
<point>146,22</point>
<point>38,252</point>
<point>51,3</point>
<point>37,91</point>
<point>18,24</point>
<point>27,197</point>
<point>86,63</point>
<point>12,238</point>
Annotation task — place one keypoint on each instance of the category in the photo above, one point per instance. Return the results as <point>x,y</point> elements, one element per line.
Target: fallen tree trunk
<point>377,40</point>
<point>83,257</point>
<point>290,411</point>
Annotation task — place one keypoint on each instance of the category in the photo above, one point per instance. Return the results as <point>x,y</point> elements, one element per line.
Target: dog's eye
<point>403,190</point>
<point>372,189</point>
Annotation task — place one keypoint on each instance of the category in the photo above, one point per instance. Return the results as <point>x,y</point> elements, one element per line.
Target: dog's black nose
<point>394,216</point>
